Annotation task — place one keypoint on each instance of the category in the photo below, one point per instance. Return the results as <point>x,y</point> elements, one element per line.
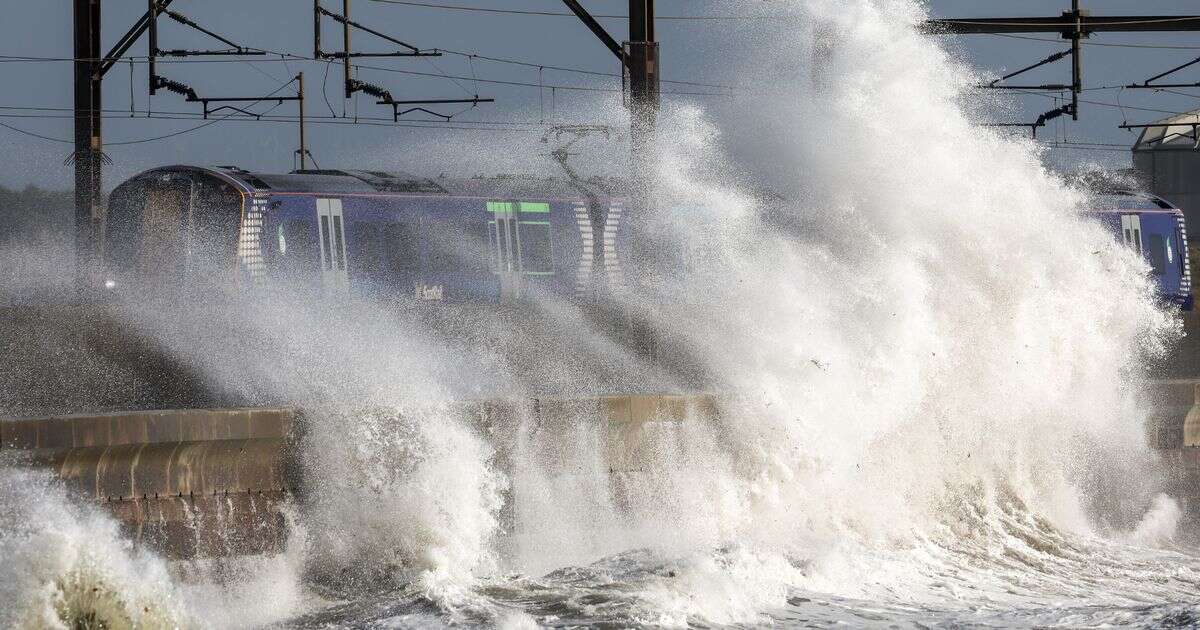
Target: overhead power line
<point>286,57</point>
<point>529,64</point>
<point>30,111</point>
<point>493,126</point>
<point>547,86</point>
<point>37,135</point>
<point>676,18</point>
<point>1052,40</point>
<point>1105,104</point>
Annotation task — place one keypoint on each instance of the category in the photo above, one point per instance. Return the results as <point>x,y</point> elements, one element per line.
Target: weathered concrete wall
<point>1174,431</point>
<point>212,482</point>
<point>191,483</point>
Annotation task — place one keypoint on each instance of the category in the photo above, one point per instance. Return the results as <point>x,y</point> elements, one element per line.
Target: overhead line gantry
<point>1074,25</point>
<point>352,85</point>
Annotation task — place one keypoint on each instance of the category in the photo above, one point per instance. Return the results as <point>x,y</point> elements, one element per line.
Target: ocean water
<point>931,372</point>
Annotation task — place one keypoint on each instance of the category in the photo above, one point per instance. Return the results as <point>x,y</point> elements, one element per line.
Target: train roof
<point>1117,200</point>
<point>339,181</point>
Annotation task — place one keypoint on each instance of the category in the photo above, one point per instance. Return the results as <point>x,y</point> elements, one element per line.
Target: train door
<point>505,241</point>
<point>1131,231</point>
<point>333,244</point>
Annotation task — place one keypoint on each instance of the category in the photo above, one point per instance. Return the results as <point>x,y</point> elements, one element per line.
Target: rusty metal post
<point>641,61</point>
<point>88,141</point>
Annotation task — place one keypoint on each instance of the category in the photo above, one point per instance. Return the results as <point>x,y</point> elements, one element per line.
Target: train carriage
<point>376,233</point>
<point>481,240</point>
<point>1155,229</point>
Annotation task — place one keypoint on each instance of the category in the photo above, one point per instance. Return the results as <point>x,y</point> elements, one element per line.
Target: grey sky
<point>691,50</point>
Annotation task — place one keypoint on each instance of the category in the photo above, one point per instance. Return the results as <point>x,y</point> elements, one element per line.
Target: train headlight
<point>110,284</point>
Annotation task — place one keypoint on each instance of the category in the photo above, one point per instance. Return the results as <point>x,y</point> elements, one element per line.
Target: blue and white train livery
<point>1156,229</point>
<point>394,235</point>
<point>383,234</point>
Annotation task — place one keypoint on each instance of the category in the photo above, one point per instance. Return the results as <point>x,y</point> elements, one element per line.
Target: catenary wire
<point>668,18</point>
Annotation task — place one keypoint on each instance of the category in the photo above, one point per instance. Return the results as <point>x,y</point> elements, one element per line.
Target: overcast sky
<point>692,50</point>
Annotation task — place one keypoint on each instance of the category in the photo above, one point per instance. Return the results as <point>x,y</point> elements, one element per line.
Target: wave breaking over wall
<point>929,365</point>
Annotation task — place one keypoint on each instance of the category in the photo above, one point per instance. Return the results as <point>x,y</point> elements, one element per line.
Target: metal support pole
<point>641,61</point>
<point>316,29</point>
<point>303,147</point>
<point>152,45</point>
<point>349,87</point>
<point>88,141</point>
<point>1076,59</point>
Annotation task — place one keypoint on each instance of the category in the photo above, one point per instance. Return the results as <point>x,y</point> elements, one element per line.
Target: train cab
<point>1156,229</point>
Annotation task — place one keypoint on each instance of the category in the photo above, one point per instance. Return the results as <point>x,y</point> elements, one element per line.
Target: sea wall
<point>215,482</point>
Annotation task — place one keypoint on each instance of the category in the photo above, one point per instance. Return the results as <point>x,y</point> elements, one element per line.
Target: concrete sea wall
<point>216,482</point>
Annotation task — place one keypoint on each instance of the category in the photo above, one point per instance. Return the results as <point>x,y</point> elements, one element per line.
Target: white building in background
<point>1168,160</point>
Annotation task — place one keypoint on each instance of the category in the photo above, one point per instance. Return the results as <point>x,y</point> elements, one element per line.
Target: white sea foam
<point>68,567</point>
<point>930,358</point>
<point>1160,523</point>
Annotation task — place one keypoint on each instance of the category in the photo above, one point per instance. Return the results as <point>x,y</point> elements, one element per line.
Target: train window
<point>325,241</point>
<point>1160,253</point>
<point>400,243</point>
<point>366,249</point>
<point>456,247</point>
<point>297,249</point>
<point>535,247</point>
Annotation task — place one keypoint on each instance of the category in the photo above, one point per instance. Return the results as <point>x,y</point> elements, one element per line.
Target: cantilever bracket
<point>126,42</point>
<point>995,83</point>
<point>239,110</point>
<point>1041,121</point>
<point>1149,84</point>
<point>151,25</point>
<point>608,40</point>
<point>190,95</point>
<point>235,49</point>
<point>412,51</point>
<point>242,99</point>
<point>396,113</point>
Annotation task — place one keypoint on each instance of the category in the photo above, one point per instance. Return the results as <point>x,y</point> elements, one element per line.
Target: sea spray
<point>929,354</point>
<point>66,566</point>
<point>401,496</point>
<point>928,361</point>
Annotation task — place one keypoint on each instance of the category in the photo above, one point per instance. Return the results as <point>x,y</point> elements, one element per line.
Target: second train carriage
<point>383,234</point>
<point>1155,229</point>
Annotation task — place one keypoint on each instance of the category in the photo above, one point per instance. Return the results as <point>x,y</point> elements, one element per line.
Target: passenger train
<point>479,240</point>
<point>1156,229</point>
<point>386,234</point>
